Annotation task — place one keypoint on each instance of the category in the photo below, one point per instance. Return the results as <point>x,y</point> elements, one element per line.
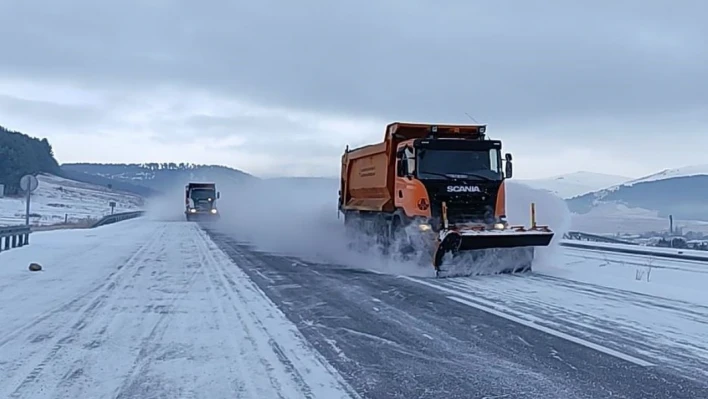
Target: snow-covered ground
<point>153,307</point>
<point>57,198</point>
<point>574,184</point>
<point>642,309</point>
<point>617,218</point>
<point>146,309</point>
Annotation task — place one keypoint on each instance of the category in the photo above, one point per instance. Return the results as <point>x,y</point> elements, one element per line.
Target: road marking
<point>516,317</point>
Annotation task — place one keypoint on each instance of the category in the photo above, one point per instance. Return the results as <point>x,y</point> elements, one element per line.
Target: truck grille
<point>463,207</point>
<point>467,208</point>
<point>202,205</point>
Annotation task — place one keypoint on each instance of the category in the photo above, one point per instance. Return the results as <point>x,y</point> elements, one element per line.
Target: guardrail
<point>18,236</point>
<point>14,237</point>
<point>580,236</point>
<point>639,250</point>
<point>117,217</point>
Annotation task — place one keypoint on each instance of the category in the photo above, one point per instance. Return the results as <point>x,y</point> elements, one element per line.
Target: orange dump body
<point>368,174</point>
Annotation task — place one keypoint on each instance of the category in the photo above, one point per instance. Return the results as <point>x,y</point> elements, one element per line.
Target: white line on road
<point>516,317</point>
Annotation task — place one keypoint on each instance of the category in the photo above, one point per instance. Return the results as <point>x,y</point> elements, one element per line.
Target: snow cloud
<point>278,87</point>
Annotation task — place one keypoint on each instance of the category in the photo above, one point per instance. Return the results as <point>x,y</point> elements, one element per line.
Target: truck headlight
<point>192,210</point>
<point>424,227</point>
<point>213,211</point>
<point>499,226</point>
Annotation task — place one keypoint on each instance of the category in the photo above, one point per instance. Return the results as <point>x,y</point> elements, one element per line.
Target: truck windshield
<point>201,194</point>
<point>482,164</point>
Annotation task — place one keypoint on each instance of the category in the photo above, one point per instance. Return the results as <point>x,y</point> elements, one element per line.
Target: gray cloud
<point>508,63</point>
<point>68,116</point>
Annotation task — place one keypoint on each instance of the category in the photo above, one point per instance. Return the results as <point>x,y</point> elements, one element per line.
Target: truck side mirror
<point>218,194</point>
<point>509,169</point>
<point>507,156</point>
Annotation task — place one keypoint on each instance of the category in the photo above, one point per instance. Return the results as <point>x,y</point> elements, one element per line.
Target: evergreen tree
<point>20,155</point>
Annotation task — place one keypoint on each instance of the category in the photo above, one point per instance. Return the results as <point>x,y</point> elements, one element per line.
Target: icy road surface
<point>146,310</point>
<point>486,337</point>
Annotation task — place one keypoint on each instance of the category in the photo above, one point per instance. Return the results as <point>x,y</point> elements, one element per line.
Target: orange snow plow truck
<point>444,183</point>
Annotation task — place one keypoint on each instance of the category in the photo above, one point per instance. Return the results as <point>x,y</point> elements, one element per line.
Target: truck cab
<point>465,173</point>
<point>200,201</point>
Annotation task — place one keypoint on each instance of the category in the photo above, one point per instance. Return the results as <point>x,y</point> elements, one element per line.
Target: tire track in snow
<point>264,346</point>
<point>76,302</point>
<point>28,373</point>
<point>671,332</point>
<point>131,387</point>
<point>399,339</point>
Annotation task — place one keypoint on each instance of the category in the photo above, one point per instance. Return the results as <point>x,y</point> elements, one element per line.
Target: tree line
<point>21,154</point>
<point>149,166</point>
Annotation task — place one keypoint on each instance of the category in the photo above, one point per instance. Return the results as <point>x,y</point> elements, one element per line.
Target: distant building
<point>701,245</point>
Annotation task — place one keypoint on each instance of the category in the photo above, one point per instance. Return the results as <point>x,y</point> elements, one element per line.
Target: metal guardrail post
<point>14,237</point>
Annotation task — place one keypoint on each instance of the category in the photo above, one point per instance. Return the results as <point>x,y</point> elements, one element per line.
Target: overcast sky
<point>277,87</point>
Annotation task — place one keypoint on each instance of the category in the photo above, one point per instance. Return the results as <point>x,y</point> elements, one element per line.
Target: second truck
<point>446,183</point>
<point>200,201</point>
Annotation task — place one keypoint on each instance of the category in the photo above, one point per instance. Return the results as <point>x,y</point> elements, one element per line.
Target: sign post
<point>28,184</point>
<point>112,204</point>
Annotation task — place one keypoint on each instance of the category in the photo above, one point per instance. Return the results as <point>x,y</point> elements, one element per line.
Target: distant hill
<point>108,182</point>
<point>574,184</point>
<point>682,193</point>
<point>155,177</point>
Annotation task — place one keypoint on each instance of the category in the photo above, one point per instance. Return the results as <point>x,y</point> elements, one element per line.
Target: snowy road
<point>401,337</point>
<point>148,310</point>
<point>145,309</point>
<point>642,329</point>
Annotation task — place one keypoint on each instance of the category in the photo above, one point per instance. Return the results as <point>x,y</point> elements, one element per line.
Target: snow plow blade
<point>458,241</point>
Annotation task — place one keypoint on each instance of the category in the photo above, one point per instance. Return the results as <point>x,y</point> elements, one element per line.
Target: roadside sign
<point>29,183</point>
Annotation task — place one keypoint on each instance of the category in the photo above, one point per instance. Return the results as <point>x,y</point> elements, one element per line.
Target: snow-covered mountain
<point>681,192</point>
<point>575,184</point>
<point>691,170</point>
